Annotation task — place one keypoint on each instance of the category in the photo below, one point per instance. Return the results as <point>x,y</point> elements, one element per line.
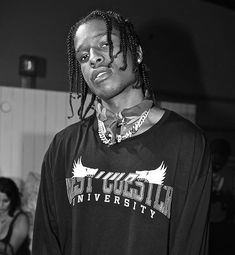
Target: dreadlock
<point>128,41</point>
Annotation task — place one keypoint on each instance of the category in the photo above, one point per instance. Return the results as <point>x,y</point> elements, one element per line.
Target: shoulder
<point>70,133</point>
<point>20,229</point>
<point>191,139</point>
<point>181,124</point>
<point>177,128</point>
<point>21,220</point>
<point>171,118</point>
<point>75,128</point>
<point>66,139</point>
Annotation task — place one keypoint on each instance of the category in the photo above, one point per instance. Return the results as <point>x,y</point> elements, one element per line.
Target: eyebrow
<point>100,34</point>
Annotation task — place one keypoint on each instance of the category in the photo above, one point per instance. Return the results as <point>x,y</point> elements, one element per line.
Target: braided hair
<point>128,41</point>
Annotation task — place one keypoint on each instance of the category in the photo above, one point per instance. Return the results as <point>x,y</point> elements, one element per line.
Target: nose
<point>95,58</point>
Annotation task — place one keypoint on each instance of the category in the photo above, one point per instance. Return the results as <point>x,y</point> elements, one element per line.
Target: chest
<point>4,227</point>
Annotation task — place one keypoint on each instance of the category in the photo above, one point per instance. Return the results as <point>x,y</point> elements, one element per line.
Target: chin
<point>107,94</point>
<point>110,89</point>
<point>106,97</point>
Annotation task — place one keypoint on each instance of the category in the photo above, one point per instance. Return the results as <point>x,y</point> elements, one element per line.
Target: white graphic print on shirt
<point>127,189</point>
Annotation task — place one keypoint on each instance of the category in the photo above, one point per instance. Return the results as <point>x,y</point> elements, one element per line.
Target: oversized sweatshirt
<point>147,195</point>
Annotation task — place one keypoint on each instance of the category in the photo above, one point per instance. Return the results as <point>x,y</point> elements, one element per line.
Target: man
<point>222,228</point>
<point>130,179</point>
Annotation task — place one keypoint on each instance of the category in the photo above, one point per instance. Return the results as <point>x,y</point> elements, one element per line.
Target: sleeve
<point>45,235</point>
<point>191,235</point>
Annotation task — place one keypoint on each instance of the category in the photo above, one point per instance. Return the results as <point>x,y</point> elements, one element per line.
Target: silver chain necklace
<point>106,137</point>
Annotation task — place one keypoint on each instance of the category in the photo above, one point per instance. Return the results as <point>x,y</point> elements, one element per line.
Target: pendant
<point>107,137</point>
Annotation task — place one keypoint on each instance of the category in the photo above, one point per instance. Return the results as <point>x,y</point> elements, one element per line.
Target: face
<point>92,52</point>
<point>4,203</point>
<point>218,161</point>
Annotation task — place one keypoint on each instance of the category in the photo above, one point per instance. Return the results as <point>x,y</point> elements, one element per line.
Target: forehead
<point>3,195</point>
<point>91,30</point>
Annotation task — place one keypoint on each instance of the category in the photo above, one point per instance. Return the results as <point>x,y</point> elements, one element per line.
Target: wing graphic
<point>155,176</point>
<point>81,171</point>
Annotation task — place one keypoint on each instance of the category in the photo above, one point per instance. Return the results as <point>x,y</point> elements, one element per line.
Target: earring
<point>139,60</point>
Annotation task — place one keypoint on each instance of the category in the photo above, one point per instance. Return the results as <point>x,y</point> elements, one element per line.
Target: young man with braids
<point>132,178</point>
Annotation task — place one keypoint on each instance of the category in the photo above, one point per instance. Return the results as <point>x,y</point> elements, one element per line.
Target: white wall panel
<point>28,121</point>
<point>6,133</point>
<point>17,113</point>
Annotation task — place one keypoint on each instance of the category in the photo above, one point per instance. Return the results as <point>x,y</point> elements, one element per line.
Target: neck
<point>123,101</point>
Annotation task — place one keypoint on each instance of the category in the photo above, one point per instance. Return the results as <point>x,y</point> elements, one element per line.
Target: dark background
<point>189,46</point>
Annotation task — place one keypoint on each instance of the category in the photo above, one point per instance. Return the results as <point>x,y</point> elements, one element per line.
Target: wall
<point>189,46</point>
<point>30,118</point>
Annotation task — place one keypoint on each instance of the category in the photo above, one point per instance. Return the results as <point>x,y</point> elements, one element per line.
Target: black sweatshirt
<point>147,195</point>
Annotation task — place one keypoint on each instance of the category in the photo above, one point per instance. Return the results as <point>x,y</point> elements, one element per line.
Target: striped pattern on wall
<point>28,121</point>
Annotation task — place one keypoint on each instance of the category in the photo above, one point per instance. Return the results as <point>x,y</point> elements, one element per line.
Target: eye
<point>104,44</point>
<point>83,57</point>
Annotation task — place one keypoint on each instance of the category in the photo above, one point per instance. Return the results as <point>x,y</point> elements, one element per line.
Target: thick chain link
<point>103,132</point>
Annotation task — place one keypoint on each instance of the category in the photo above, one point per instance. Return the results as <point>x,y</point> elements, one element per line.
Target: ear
<point>140,54</point>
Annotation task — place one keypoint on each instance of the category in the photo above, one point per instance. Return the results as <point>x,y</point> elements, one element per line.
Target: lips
<point>101,74</point>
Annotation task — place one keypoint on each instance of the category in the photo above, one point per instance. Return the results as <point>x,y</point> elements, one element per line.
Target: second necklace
<point>107,137</point>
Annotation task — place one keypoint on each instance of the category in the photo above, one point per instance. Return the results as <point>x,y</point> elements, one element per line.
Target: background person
<point>14,224</point>
<point>222,228</point>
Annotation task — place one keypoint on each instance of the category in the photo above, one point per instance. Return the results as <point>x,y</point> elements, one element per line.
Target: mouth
<point>101,75</point>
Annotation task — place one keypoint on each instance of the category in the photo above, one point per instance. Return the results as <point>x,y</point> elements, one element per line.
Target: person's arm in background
<point>191,237</point>
<point>45,234</point>
<point>19,233</point>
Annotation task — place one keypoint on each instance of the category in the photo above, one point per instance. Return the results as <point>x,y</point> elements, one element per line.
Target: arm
<point>45,236</point>
<point>19,233</point>
<point>191,235</point>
